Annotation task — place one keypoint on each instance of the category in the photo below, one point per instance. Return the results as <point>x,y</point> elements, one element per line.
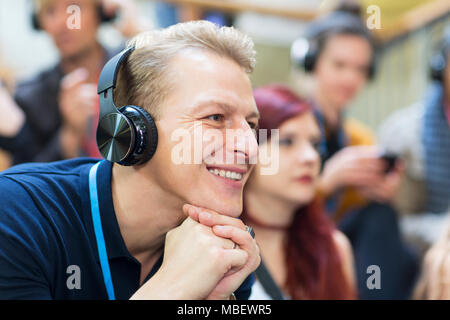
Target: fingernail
<point>206,215</point>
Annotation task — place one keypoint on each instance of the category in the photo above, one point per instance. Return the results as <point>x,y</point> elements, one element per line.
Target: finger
<point>239,236</point>
<point>211,218</point>
<point>235,258</point>
<point>372,164</point>
<point>190,211</point>
<point>74,78</point>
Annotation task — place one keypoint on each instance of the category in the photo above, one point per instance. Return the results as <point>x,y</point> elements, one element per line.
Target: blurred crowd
<point>374,199</point>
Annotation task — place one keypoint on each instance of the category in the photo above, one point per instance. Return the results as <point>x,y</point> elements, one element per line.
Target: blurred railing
<point>403,72</point>
<point>236,6</point>
<point>406,44</point>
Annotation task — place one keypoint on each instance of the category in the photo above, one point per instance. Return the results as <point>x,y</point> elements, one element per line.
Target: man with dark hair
<point>340,53</point>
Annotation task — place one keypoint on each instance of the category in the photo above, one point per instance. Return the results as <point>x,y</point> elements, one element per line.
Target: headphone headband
<point>109,73</point>
<point>107,82</point>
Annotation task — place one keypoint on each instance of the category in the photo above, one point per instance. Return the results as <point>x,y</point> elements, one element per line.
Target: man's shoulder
<point>403,124</point>
<point>405,117</point>
<point>39,182</point>
<point>44,170</point>
<point>358,132</point>
<point>35,197</point>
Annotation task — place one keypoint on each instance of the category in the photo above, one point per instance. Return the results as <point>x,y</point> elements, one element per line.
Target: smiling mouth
<point>227,174</point>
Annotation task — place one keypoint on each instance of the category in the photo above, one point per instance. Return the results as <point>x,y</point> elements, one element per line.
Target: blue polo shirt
<point>47,242</point>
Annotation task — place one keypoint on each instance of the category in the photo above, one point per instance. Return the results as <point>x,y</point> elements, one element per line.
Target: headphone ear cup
<point>146,135</point>
<point>103,16</point>
<point>310,60</point>
<point>302,54</point>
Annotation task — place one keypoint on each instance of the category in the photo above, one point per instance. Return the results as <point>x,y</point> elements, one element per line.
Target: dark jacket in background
<point>38,139</point>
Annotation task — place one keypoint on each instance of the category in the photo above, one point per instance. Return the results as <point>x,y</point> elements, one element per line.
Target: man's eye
<point>316,144</point>
<point>216,117</point>
<point>286,142</point>
<point>252,125</point>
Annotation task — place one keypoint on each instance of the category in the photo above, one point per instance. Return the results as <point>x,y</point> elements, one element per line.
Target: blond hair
<point>144,79</point>
<point>435,280</point>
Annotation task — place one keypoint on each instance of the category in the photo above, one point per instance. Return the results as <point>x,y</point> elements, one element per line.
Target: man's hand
<point>358,166</point>
<point>385,190</point>
<point>12,117</point>
<point>195,260</point>
<point>234,229</point>
<point>77,102</point>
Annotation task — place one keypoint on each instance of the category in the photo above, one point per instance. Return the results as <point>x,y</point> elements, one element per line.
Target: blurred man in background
<point>421,135</point>
<point>60,104</point>
<point>339,51</point>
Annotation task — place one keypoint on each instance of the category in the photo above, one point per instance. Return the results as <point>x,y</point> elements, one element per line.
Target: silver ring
<point>250,230</point>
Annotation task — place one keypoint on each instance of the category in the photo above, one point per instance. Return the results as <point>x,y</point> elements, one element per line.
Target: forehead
<point>198,77</point>
<point>303,124</point>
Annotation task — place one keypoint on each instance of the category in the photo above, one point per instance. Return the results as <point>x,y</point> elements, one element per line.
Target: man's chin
<point>228,208</point>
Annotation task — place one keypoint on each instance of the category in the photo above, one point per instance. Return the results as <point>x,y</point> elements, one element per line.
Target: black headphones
<point>103,17</point>
<point>126,135</point>
<point>306,50</point>
<point>439,61</point>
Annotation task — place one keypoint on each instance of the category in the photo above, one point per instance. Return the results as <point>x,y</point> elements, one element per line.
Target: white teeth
<point>226,174</point>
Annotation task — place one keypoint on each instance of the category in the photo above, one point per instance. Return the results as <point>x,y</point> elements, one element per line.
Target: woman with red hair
<point>306,257</point>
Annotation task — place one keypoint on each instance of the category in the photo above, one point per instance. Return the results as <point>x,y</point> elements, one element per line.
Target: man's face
<point>342,68</point>
<point>53,18</point>
<point>211,97</point>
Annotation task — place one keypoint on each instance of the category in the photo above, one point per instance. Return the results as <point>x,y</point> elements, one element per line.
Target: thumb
<point>74,78</point>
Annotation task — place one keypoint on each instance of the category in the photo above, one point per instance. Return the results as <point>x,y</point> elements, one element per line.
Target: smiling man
<point>79,229</point>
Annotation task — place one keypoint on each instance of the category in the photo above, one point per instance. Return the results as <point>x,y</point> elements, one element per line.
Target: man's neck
<point>268,210</point>
<point>145,212</point>
<point>91,59</point>
<point>329,111</point>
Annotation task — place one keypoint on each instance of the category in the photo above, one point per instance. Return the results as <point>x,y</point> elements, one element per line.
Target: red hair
<point>314,266</point>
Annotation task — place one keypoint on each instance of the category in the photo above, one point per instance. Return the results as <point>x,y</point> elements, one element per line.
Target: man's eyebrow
<point>254,114</point>
<point>223,105</point>
<point>210,103</point>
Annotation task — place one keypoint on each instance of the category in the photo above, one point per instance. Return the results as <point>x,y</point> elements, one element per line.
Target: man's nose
<point>246,147</point>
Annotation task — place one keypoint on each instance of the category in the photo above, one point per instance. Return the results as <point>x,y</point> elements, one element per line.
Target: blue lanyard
<point>95,211</point>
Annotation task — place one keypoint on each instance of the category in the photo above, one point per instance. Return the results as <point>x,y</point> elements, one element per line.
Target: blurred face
<point>211,96</point>
<point>341,69</point>
<point>299,162</point>
<point>53,18</point>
